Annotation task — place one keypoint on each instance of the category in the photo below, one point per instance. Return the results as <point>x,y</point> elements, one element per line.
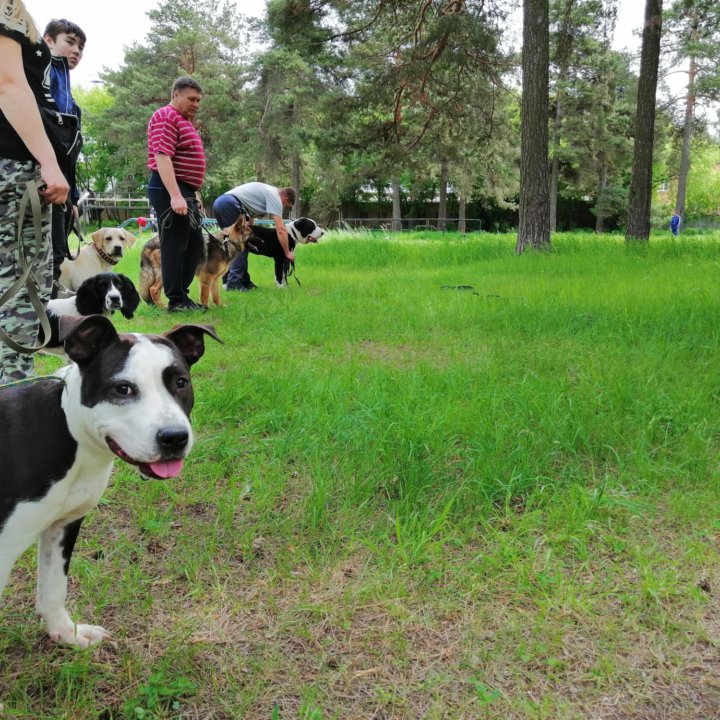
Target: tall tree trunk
<point>554,163</point>
<point>296,180</point>
<point>442,203</point>
<point>397,212</point>
<point>461,214</point>
<point>638,227</point>
<point>602,187</point>
<point>534,227</point>
<point>296,164</point>
<point>687,142</point>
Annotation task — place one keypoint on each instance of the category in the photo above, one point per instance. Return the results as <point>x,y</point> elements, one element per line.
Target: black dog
<point>100,294</point>
<point>264,241</point>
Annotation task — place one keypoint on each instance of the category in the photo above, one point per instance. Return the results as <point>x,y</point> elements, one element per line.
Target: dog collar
<point>105,256</point>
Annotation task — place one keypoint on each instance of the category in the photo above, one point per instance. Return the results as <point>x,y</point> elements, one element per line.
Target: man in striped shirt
<point>176,159</point>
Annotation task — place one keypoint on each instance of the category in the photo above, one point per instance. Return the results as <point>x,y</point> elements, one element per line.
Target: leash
<point>27,277</point>
<point>74,227</point>
<point>195,217</point>
<point>30,380</point>
<point>289,270</point>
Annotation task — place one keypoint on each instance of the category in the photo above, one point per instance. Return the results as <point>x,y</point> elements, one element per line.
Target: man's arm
<point>282,236</point>
<point>167,175</point>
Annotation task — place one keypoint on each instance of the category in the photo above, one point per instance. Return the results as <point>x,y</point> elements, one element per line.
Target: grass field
<point>413,499</point>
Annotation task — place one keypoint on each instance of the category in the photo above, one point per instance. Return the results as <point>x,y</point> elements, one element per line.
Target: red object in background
<point>142,223</point>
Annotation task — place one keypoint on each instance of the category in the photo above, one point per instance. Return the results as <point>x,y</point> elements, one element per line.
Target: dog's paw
<point>82,636</point>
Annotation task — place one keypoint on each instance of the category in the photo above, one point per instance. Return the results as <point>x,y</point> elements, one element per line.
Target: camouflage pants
<point>17,316</point>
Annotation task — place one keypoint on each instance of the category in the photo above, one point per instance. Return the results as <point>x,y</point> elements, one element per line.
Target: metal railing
<point>385,223</point>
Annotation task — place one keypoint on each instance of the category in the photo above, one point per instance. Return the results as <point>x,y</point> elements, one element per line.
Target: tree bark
<point>534,227</point>
<point>555,163</point>
<point>687,143</point>
<point>602,187</point>
<point>638,227</point>
<point>442,200</point>
<point>397,212</point>
<point>296,164</point>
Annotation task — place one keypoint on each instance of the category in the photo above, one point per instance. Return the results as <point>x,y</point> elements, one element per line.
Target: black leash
<point>27,277</point>
<point>74,227</point>
<point>195,217</point>
<point>289,270</point>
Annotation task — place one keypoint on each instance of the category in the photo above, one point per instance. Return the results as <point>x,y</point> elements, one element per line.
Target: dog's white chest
<point>67,500</point>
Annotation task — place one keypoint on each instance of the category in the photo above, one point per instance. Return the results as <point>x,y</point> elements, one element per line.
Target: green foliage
<point>157,695</point>
<point>198,38</point>
<point>339,98</point>
<point>96,171</point>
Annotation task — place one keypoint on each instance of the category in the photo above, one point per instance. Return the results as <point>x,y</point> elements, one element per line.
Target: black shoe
<point>186,306</point>
<point>180,307</point>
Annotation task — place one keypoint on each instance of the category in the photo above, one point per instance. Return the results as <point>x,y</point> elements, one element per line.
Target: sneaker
<point>180,307</point>
<point>187,306</point>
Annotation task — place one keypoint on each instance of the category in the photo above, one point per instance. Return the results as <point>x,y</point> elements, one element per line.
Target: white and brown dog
<point>126,396</point>
<point>101,255</point>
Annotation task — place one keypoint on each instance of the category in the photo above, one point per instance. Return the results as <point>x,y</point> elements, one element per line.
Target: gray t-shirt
<point>258,198</point>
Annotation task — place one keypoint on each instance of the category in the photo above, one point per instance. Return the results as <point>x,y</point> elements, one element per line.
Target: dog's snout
<point>172,440</point>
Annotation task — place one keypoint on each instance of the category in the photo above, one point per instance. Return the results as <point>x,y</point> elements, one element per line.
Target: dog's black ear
<point>89,296</point>
<point>85,336</point>
<point>190,340</point>
<point>304,226</point>
<point>130,296</point>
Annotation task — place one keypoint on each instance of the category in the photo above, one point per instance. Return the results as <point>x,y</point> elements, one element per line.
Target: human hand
<point>56,186</point>
<point>179,205</point>
<point>290,256</point>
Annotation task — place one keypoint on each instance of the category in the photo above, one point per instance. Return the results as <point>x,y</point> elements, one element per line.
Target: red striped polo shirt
<point>169,133</point>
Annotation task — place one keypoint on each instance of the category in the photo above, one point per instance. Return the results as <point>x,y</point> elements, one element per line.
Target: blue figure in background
<point>675,223</point>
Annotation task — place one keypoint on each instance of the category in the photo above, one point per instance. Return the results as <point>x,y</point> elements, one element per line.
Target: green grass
<point>409,500</point>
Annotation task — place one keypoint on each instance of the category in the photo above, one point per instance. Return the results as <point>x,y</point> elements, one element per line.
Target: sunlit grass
<point>435,478</point>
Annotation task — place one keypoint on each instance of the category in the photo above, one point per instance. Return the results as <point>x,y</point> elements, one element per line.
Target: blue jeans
<point>227,209</point>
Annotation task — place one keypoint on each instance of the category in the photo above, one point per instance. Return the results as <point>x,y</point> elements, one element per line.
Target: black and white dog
<point>264,241</point>
<point>126,396</point>
<point>100,294</point>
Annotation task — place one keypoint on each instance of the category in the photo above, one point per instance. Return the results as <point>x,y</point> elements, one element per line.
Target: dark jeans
<point>181,244</point>
<point>62,217</point>
<point>227,209</point>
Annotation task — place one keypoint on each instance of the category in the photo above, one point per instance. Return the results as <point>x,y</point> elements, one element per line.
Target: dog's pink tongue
<point>167,468</point>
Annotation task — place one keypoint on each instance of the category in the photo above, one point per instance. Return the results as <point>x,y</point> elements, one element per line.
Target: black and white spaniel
<point>100,294</point>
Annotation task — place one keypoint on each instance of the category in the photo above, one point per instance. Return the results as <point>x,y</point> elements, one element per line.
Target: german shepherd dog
<point>220,249</point>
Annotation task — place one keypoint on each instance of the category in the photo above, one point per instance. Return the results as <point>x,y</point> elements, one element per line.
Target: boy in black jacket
<point>66,41</point>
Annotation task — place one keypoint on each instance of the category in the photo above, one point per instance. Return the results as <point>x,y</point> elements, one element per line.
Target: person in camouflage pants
<point>17,316</point>
<point>27,153</point>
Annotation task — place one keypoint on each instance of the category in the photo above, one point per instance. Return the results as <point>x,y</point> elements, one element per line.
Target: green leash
<point>27,277</point>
